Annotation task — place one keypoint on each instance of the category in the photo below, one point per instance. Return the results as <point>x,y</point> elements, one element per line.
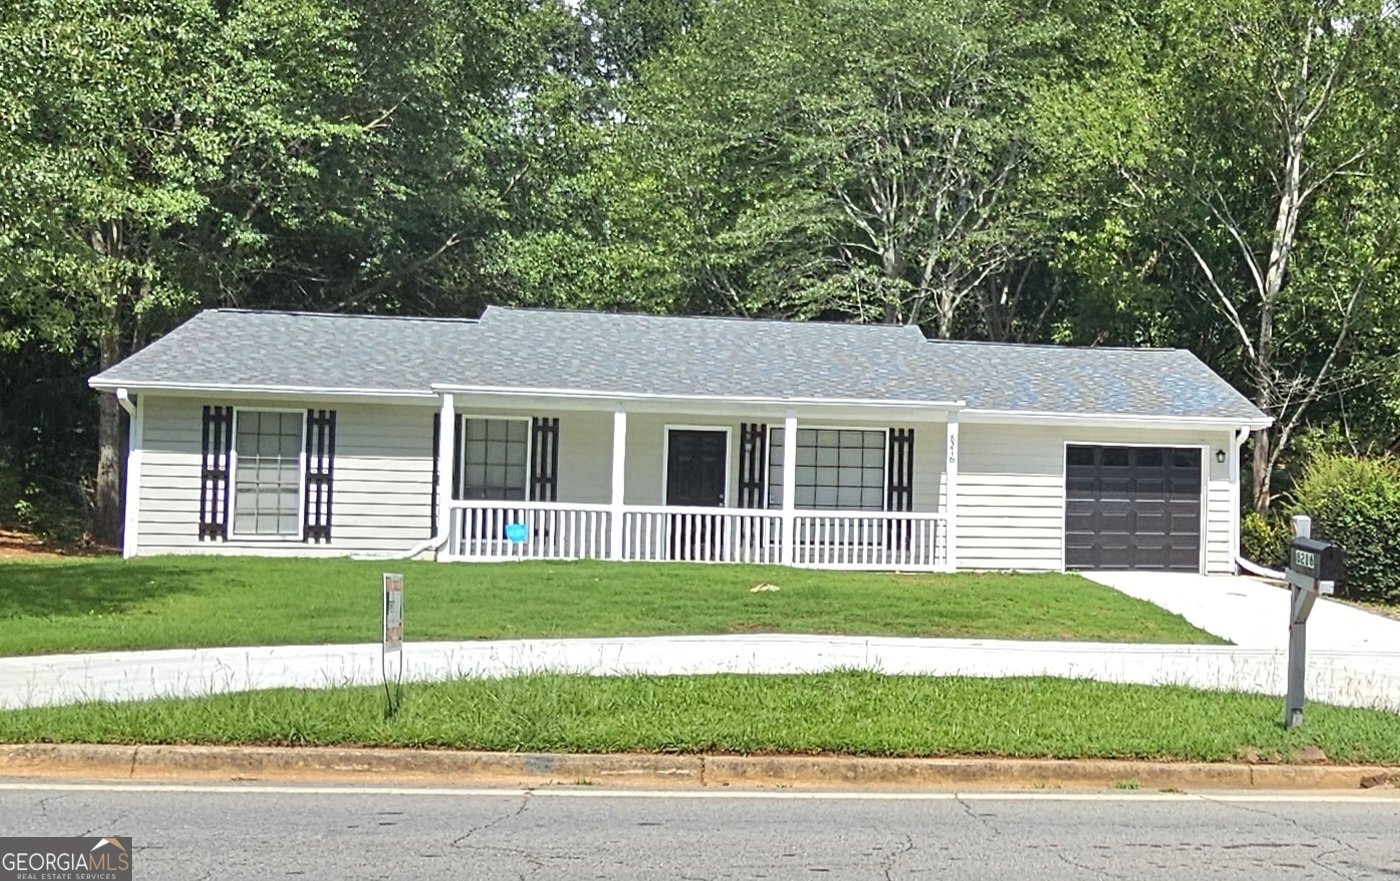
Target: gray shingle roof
<point>630,355</point>
<point>230,347</point>
<point>1060,379</point>
<point>704,357</point>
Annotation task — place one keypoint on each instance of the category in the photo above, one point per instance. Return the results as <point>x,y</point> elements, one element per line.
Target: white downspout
<point>446,438</point>
<point>135,437</point>
<point>1240,436</point>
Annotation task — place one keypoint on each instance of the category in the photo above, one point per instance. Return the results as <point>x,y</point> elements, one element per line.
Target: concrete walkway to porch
<point>1354,656</point>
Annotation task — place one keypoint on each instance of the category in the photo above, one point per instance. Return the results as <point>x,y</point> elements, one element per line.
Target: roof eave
<point>1163,420</point>
<point>620,396</point>
<point>188,388</point>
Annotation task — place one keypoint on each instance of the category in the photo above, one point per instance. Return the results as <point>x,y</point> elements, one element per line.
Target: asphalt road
<point>189,833</point>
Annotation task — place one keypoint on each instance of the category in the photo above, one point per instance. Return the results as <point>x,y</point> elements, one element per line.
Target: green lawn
<point>857,713</point>
<point>164,602</point>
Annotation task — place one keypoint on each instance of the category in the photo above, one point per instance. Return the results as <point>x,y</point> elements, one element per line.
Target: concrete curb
<point>406,766</point>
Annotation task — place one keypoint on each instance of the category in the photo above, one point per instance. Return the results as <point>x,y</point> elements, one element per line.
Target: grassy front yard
<point>857,713</point>
<point>164,602</point>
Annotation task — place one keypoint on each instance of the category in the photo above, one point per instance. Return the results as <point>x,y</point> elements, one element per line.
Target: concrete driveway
<point>1253,613</point>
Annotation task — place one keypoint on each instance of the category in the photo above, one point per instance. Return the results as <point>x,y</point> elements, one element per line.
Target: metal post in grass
<point>392,641</point>
<point>1314,568</point>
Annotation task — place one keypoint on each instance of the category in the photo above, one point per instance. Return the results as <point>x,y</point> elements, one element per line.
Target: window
<point>837,469</point>
<point>495,455</point>
<point>267,473</point>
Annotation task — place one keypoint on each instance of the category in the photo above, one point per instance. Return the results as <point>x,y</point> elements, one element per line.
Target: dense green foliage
<point>1356,503</point>
<point>850,712</point>
<point>168,602</point>
<point>1216,175</point>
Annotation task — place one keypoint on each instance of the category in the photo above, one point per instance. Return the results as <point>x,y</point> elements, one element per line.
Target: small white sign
<point>393,612</point>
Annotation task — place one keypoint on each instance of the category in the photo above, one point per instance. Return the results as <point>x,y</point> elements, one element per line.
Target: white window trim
<point>728,457</point>
<point>1204,535</point>
<point>884,463</point>
<point>233,480</point>
<point>460,490</point>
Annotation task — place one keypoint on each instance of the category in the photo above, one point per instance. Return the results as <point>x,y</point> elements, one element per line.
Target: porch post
<point>789,486</point>
<point>447,439</point>
<point>619,483</point>
<point>951,494</point>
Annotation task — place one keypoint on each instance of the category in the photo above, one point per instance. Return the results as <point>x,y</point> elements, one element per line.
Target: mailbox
<point>1314,567</point>
<point>1318,562</point>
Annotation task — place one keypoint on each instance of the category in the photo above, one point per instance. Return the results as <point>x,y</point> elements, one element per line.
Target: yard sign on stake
<point>392,641</point>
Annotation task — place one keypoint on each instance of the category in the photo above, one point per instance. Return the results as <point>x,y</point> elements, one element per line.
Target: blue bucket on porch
<point>516,532</point>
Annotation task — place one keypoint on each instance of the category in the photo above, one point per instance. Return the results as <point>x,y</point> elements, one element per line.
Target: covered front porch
<point>832,487</point>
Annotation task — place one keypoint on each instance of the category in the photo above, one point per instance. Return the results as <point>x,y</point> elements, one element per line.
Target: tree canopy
<point>1220,176</point>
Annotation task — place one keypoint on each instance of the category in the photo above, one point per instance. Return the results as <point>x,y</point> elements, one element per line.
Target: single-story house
<point>542,434</point>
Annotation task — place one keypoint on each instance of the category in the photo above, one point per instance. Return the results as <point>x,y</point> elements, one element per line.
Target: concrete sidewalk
<point>1353,657</point>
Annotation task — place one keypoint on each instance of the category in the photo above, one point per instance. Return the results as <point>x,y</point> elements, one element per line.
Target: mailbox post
<point>1314,568</point>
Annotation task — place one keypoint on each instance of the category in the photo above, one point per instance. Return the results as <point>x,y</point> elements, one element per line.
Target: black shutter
<point>320,475</point>
<point>544,460</point>
<point>433,512</point>
<point>213,476</point>
<point>900,468</point>
<point>753,462</point>
<point>458,481</point>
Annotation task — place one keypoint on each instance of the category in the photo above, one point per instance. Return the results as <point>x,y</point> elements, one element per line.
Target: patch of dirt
<point>23,546</point>
<point>751,627</point>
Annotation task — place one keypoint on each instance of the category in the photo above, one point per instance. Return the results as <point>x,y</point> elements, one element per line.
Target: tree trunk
<point>1261,483</point>
<point>111,444</point>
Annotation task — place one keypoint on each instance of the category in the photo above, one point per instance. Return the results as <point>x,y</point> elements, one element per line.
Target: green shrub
<point>1356,503</point>
<point>1265,539</point>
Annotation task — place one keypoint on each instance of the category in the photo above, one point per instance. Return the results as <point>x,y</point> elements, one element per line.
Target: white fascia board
<point>1030,417</point>
<point>689,400</point>
<point>182,389</point>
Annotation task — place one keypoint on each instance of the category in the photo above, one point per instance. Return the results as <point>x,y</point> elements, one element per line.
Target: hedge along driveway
<point>176,602</point>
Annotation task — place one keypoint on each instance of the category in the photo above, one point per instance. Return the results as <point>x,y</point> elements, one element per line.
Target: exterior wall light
<point>1220,456</point>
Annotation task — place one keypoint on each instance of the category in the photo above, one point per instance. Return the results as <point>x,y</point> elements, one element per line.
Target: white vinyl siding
<point>382,490</point>
<point>1011,492</point>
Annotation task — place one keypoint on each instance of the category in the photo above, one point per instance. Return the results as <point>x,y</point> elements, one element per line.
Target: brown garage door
<point>1133,508</point>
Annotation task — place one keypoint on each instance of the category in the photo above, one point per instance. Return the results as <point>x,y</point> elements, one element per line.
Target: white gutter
<point>1046,417</point>
<point>771,400</point>
<point>124,398</point>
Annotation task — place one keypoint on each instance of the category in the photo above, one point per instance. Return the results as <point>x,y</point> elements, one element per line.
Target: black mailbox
<point>1318,560</point>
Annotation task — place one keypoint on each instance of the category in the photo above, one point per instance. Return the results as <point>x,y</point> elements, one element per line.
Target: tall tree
<point>1255,154</point>
<point>850,159</point>
<point>121,124</point>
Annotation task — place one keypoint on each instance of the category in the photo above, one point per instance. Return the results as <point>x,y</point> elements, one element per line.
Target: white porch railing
<point>709,535</point>
<point>551,531</point>
<point>870,540</point>
<point>482,530</point>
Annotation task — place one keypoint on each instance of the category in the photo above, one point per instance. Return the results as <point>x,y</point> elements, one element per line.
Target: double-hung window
<point>268,473</point>
<point>495,459</point>
<point>837,469</point>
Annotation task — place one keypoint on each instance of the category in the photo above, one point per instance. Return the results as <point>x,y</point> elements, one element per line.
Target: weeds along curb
<point>381,766</point>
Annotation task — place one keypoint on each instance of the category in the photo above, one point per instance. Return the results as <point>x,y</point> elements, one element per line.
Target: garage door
<point>1133,508</point>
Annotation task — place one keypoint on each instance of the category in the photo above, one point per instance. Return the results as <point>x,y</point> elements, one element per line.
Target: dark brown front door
<point>695,462</point>
<point>1133,508</point>
<point>695,471</point>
